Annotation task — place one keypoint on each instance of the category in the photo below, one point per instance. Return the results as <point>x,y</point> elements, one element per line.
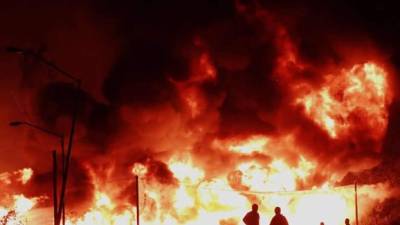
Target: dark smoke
<point>57,100</point>
<point>139,77</point>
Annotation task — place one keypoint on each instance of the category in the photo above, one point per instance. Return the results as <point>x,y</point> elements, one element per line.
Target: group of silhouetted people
<point>253,218</point>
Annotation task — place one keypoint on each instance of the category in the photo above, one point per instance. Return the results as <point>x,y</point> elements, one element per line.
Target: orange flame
<point>198,200</point>
<point>355,95</point>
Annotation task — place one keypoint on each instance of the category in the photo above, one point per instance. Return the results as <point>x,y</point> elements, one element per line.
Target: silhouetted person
<point>278,219</point>
<point>322,223</point>
<point>347,221</point>
<point>252,217</point>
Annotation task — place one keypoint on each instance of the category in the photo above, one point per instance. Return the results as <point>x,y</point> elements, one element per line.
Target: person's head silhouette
<point>347,221</point>
<point>254,207</point>
<point>277,210</point>
<point>322,223</point>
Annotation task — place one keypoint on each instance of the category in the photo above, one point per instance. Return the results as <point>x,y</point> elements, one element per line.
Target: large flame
<point>197,200</point>
<point>360,94</point>
<point>354,99</point>
<point>16,207</point>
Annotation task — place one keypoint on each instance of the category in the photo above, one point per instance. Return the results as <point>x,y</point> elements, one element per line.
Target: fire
<point>248,145</point>
<point>193,99</point>
<point>266,169</point>
<point>198,200</point>
<point>14,208</point>
<point>202,70</point>
<point>358,94</point>
<point>22,176</point>
<point>103,200</point>
<point>355,99</point>
<point>278,176</point>
<point>103,213</point>
<point>23,204</point>
<point>259,144</point>
<point>139,169</point>
<point>19,210</point>
<point>26,175</point>
<point>186,172</point>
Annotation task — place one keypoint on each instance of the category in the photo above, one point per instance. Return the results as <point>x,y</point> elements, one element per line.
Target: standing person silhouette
<point>252,217</point>
<point>278,219</point>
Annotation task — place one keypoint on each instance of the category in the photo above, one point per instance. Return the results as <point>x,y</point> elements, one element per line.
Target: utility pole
<point>55,163</point>
<point>356,201</point>
<point>55,201</point>
<point>66,161</point>
<point>74,120</point>
<point>137,200</point>
<point>63,174</point>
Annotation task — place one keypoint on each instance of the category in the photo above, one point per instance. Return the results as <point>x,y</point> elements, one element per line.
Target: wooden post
<point>63,214</point>
<point>55,201</point>
<point>137,200</point>
<point>356,201</point>
<point>63,174</point>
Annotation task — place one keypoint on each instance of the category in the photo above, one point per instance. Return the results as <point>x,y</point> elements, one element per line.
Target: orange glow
<point>354,99</point>
<point>256,143</point>
<point>267,169</point>
<point>139,169</point>
<point>26,175</point>
<point>278,176</point>
<point>18,210</point>
<point>192,98</point>
<point>22,175</point>
<point>23,204</point>
<point>198,200</point>
<point>185,171</point>
<point>202,68</point>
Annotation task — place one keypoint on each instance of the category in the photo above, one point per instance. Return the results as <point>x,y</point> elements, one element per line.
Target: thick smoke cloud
<point>57,100</point>
<point>138,77</point>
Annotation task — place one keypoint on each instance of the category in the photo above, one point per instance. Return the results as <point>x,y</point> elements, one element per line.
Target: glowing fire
<point>23,204</point>
<point>354,99</point>
<point>18,206</point>
<point>26,175</point>
<point>22,175</point>
<point>278,176</point>
<point>192,97</point>
<point>139,169</point>
<point>197,200</point>
<point>202,68</point>
<point>358,94</point>
<point>103,213</point>
<point>244,146</point>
